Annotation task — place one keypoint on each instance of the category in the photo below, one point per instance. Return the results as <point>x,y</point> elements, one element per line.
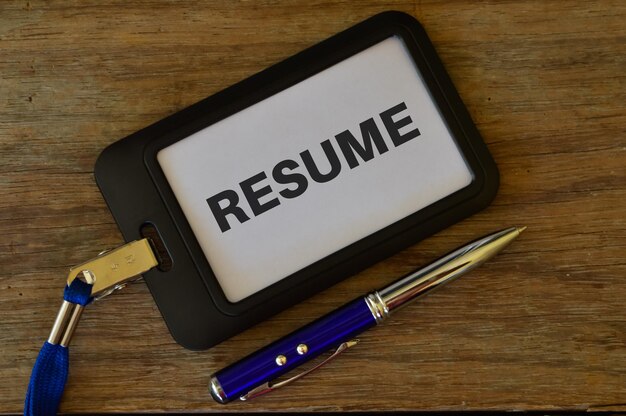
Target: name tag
<point>298,177</point>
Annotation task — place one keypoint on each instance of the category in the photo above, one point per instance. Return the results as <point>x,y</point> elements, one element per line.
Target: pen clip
<point>113,269</point>
<point>269,386</point>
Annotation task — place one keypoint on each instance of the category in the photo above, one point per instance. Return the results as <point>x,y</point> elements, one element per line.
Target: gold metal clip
<point>112,270</point>
<point>269,386</point>
<point>107,272</point>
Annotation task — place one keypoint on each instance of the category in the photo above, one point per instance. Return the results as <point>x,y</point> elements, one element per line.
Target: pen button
<point>302,349</point>
<point>281,360</point>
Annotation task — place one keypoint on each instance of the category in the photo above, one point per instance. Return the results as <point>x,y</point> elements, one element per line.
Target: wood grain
<point>543,326</point>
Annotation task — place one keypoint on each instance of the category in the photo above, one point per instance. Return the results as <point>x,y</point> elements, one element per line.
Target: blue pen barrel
<point>282,356</point>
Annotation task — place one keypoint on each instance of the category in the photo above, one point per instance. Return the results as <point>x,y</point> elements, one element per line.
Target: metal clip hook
<point>113,269</point>
<point>269,386</point>
<point>109,271</point>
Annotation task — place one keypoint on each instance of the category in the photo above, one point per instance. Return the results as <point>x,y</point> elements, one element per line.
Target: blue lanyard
<point>49,375</point>
<point>104,274</point>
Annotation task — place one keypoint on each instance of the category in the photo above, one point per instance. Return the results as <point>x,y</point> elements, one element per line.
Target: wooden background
<point>543,326</point>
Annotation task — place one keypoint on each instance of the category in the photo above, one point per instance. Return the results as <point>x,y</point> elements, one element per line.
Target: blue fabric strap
<point>78,292</point>
<point>47,381</point>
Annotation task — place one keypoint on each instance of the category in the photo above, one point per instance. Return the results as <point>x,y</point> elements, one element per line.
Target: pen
<point>254,375</point>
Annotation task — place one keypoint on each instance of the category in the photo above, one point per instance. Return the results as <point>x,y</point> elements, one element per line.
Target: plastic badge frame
<point>189,297</point>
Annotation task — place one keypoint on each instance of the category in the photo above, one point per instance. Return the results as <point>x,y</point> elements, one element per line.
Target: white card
<point>295,227</point>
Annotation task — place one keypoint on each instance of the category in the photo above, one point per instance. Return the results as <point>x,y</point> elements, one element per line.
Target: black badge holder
<point>193,303</point>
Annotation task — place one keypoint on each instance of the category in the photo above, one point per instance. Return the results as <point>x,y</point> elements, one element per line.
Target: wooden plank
<point>543,326</point>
